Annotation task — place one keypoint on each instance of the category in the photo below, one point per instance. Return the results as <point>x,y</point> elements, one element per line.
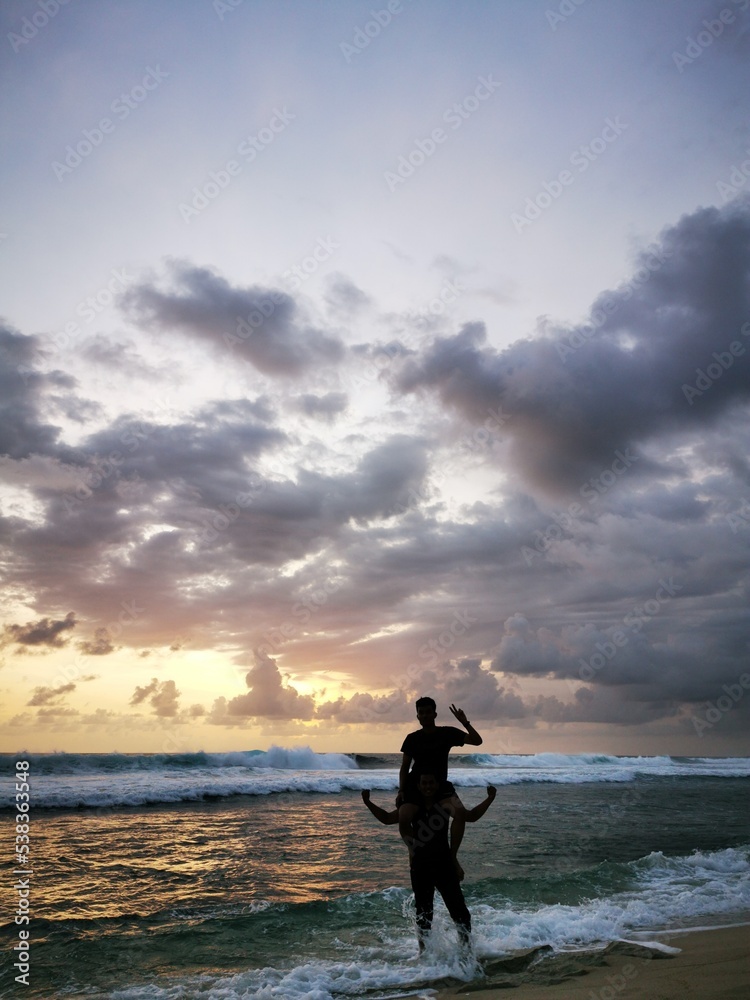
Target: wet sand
<point>712,965</point>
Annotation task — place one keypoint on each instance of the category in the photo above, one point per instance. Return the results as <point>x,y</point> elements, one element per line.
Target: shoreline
<point>713,964</point>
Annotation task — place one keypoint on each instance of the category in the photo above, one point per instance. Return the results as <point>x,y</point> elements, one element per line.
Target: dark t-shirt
<point>429,751</point>
<point>430,832</point>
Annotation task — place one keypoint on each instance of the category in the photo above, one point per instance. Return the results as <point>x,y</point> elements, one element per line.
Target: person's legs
<point>423,885</point>
<point>455,807</point>
<point>449,887</point>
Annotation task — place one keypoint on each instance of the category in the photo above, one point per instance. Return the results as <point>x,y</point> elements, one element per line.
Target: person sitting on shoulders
<point>426,751</point>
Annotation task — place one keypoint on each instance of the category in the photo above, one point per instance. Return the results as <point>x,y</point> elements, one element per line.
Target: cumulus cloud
<point>45,632</point>
<point>262,325</point>
<point>100,645</point>
<point>269,697</point>
<point>48,695</point>
<point>162,695</point>
<point>466,683</point>
<point>363,707</point>
<point>343,297</point>
<point>141,693</point>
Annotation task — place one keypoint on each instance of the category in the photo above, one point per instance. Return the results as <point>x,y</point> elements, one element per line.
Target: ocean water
<point>262,874</point>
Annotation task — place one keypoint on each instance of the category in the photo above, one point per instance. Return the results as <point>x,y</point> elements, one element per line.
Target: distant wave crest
<point>70,781</point>
<point>281,758</point>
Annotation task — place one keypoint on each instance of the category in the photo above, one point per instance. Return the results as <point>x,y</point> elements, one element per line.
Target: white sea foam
<point>111,780</point>
<point>666,893</point>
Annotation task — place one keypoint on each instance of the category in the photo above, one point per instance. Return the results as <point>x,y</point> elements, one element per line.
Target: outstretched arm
<point>386,818</point>
<point>473,739</point>
<point>472,815</point>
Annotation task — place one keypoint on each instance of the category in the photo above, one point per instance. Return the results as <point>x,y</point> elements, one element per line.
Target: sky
<point>352,352</point>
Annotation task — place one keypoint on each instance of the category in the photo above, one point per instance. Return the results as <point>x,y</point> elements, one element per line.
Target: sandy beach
<point>712,965</point>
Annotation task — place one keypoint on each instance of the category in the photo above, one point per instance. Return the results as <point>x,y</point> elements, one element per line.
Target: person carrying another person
<point>426,751</point>
<point>431,861</point>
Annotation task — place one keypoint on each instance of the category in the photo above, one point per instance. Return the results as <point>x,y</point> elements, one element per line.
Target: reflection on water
<point>276,848</point>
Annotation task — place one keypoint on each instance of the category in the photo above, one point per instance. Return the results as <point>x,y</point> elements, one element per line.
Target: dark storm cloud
<point>46,632</point>
<point>667,352</point>
<point>652,674</point>
<point>262,325</point>
<point>23,393</point>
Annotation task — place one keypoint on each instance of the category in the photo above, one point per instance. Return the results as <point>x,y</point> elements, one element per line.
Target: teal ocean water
<point>261,874</point>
